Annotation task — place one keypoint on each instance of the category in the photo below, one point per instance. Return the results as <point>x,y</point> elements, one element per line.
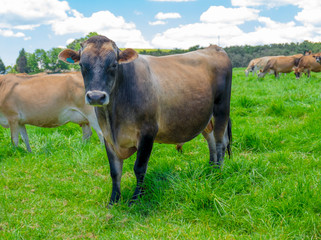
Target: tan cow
<point>44,101</point>
<point>281,64</point>
<point>257,65</point>
<point>307,64</point>
<point>251,67</point>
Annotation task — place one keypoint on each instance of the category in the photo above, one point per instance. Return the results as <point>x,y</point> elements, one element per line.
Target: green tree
<point>2,67</point>
<point>32,63</point>
<point>53,64</point>
<point>11,69</point>
<point>42,59</point>
<point>21,63</point>
<point>76,44</point>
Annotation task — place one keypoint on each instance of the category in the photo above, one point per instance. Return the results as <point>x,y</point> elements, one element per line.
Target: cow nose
<point>97,98</point>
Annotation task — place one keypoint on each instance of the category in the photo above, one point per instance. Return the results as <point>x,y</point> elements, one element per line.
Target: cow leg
<point>24,136</point>
<point>14,130</point>
<point>144,150</point>
<point>86,131</point>
<point>211,146</point>
<point>221,125</point>
<point>94,123</point>
<point>116,169</point>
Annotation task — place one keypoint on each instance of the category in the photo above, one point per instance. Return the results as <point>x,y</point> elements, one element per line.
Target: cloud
<point>272,32</point>
<point>21,12</point>
<point>255,3</point>
<point>10,33</point>
<point>103,22</point>
<point>163,16</point>
<point>189,35</point>
<point>156,23</point>
<point>220,14</point>
<point>224,24</point>
<point>216,22</point>
<point>26,27</point>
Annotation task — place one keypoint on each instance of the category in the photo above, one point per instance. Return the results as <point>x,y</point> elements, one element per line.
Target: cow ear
<point>69,56</point>
<point>127,56</point>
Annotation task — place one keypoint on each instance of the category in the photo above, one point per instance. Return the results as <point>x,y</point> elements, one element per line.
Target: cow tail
<point>297,61</point>
<point>229,133</point>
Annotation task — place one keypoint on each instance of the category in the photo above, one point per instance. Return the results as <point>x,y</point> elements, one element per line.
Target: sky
<point>164,24</point>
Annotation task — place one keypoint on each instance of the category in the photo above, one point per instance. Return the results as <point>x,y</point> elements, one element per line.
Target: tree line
<point>47,61</point>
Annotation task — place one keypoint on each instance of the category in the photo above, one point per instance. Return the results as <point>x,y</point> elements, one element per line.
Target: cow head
<point>317,58</point>
<point>99,60</point>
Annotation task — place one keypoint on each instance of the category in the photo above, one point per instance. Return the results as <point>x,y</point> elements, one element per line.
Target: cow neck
<point>110,108</point>
<point>109,123</point>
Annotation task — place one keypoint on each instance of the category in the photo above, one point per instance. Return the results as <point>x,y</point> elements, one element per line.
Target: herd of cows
<point>298,63</point>
<point>134,100</point>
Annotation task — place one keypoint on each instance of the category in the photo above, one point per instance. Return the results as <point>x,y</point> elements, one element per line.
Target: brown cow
<point>281,64</point>
<point>307,64</point>
<point>257,65</point>
<point>45,101</point>
<point>144,99</point>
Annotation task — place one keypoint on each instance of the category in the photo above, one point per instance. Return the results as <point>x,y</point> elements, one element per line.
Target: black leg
<point>116,167</point>
<point>143,153</point>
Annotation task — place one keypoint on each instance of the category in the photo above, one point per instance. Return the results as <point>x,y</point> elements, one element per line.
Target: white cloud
<point>26,27</point>
<point>220,14</point>
<point>163,16</point>
<point>310,13</point>
<point>10,33</point>
<point>255,3</point>
<point>70,40</point>
<point>272,32</point>
<point>220,22</point>
<point>22,12</point>
<point>189,35</point>
<point>156,23</point>
<point>103,22</point>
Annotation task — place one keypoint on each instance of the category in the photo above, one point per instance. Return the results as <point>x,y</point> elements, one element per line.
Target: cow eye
<point>112,67</point>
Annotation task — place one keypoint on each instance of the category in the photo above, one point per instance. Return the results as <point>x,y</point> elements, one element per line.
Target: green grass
<point>269,189</point>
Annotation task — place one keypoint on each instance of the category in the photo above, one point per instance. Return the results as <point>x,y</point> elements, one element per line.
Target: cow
<point>251,67</point>
<point>141,99</point>
<point>256,65</point>
<point>306,65</point>
<point>44,100</point>
<point>281,64</point>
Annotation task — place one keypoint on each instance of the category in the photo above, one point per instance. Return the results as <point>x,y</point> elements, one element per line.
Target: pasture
<point>269,189</point>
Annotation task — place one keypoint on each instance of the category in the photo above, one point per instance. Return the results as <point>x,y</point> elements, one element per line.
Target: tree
<point>32,63</point>
<point>21,63</point>
<point>75,45</point>
<point>2,67</point>
<point>54,64</point>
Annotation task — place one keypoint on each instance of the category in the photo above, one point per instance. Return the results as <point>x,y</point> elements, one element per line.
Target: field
<point>269,189</point>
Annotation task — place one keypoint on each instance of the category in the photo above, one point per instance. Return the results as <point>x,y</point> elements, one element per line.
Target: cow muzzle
<point>97,98</point>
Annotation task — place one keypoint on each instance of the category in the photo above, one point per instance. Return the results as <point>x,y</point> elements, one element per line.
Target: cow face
<point>99,60</point>
<point>318,59</point>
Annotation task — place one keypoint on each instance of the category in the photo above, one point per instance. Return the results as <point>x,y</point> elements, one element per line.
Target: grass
<point>269,189</point>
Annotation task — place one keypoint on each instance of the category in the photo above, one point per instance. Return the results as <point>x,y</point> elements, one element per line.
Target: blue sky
<point>167,24</point>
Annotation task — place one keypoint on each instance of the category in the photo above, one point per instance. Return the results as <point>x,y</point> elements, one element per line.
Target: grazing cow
<point>307,64</point>
<point>252,67</point>
<point>45,101</point>
<point>140,100</point>
<point>257,64</point>
<point>281,64</point>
